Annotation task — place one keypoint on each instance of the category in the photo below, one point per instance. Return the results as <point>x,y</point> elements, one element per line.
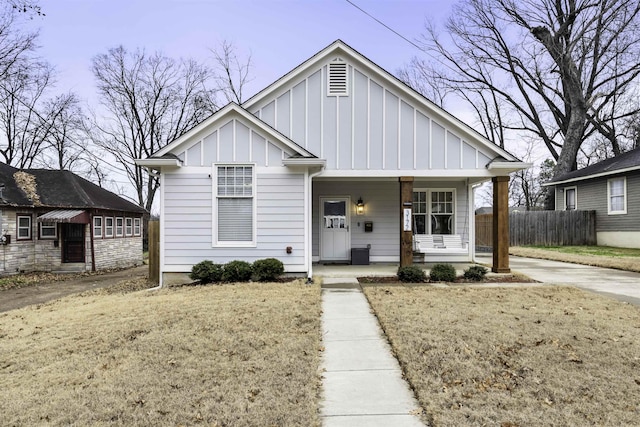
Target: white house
<point>337,154</point>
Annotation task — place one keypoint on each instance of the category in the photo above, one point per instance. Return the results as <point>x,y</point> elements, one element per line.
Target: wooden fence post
<point>154,251</point>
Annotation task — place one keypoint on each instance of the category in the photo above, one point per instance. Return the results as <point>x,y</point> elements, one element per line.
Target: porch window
<point>136,227</point>
<point>48,230</point>
<point>108,227</point>
<point>128,226</point>
<point>442,214</point>
<point>119,227</point>
<point>570,199</point>
<point>235,219</point>
<point>97,226</point>
<point>24,227</point>
<point>434,211</point>
<point>617,194</point>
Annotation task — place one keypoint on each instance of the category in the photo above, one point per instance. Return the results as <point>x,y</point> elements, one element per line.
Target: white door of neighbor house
<point>335,234</point>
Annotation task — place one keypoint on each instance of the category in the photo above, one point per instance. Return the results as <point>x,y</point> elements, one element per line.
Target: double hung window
<point>235,207</point>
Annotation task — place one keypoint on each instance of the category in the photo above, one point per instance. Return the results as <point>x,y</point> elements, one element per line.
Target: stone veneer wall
<point>118,252</point>
<point>42,254</point>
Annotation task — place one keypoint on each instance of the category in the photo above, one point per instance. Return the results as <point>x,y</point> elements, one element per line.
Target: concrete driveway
<point>619,284</point>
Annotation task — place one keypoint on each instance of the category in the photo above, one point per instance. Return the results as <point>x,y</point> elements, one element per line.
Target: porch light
<point>360,207</point>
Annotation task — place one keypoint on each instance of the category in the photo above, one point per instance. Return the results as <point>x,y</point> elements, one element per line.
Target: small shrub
<point>237,271</point>
<point>442,273</point>
<point>206,272</point>
<point>475,272</point>
<point>411,274</point>
<point>268,269</point>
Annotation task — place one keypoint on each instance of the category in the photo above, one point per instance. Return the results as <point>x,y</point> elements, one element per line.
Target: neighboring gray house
<point>336,155</point>
<point>612,189</point>
<point>54,220</point>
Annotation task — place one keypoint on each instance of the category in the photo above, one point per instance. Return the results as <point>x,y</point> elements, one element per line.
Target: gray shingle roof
<point>59,189</point>
<point>628,160</point>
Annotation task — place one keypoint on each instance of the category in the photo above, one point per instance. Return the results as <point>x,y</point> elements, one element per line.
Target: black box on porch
<point>359,256</point>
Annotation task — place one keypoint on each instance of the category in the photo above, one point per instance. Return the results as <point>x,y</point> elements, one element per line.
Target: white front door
<point>335,239</point>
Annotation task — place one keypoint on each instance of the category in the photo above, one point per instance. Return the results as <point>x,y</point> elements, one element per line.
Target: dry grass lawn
<point>618,258</point>
<point>231,355</point>
<point>536,356</point>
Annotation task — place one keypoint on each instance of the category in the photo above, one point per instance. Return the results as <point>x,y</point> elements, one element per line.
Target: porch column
<point>406,235</point>
<point>500,224</point>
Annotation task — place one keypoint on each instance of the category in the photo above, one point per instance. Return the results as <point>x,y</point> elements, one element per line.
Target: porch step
<point>71,267</point>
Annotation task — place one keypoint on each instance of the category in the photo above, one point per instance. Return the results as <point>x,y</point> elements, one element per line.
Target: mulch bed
<point>509,278</point>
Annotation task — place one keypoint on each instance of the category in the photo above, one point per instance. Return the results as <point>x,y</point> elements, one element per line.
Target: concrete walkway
<point>362,381</point>
<point>618,284</point>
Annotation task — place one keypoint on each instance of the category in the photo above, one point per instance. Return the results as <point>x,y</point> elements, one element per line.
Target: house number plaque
<point>407,219</point>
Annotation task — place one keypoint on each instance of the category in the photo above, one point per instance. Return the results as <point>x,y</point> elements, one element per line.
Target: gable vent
<point>338,82</point>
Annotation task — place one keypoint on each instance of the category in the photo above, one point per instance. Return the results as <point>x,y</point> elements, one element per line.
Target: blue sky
<point>279,34</point>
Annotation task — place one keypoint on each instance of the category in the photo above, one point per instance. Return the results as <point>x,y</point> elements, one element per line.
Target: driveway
<point>12,299</point>
<point>619,284</point>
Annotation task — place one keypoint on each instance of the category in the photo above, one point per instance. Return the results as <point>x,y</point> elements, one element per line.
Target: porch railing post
<point>406,233</point>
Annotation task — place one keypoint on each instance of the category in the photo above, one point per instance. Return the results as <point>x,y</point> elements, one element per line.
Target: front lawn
<point>534,356</point>
<point>230,355</point>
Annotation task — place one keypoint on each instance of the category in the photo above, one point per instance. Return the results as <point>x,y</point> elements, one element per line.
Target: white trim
<point>596,175</point>
<point>368,121</point>
<point>321,221</point>
<point>116,227</point>
<point>418,173</point>
<point>113,227</point>
<point>137,221</point>
<point>337,132</point>
<point>128,222</point>
<point>575,196</point>
<point>156,163</point>
<point>399,135</point>
<point>353,122</point>
<point>48,225</point>
<point>215,243</point>
<point>624,194</point>
<point>415,138</point>
<point>162,231</point>
<point>304,161</point>
<point>93,224</point>
<point>384,128</point>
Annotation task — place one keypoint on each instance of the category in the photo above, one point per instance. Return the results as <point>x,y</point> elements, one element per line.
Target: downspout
<point>93,249</point>
<point>310,225</point>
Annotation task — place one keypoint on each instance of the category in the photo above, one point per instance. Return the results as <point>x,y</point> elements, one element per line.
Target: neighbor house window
<point>97,226</point>
<point>136,227</point>
<point>570,199</point>
<point>24,227</point>
<point>433,212</point>
<point>108,227</point>
<point>119,226</point>
<point>129,226</point>
<point>48,230</point>
<point>235,220</point>
<point>617,194</point>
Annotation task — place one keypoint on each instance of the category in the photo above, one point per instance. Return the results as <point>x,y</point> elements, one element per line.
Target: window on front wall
<point>128,226</point>
<point>235,204</point>
<point>434,212</point>
<point>108,227</point>
<point>570,199</point>
<point>24,227</point>
<point>97,226</point>
<point>119,227</point>
<point>136,227</point>
<point>48,230</point>
<point>617,194</point>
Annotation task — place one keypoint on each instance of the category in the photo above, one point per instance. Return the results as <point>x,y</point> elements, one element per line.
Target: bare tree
<point>149,100</point>
<point>23,126</point>
<point>231,72</point>
<point>563,71</point>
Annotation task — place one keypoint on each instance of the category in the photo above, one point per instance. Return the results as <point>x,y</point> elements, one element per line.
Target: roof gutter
<point>596,175</point>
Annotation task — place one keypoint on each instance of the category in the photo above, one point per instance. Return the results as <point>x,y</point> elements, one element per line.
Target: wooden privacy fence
<point>543,228</point>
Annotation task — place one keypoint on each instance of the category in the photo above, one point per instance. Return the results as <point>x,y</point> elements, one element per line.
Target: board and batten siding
<point>381,208</point>
<point>188,217</point>
<point>592,194</point>
<point>234,142</point>
<point>371,128</point>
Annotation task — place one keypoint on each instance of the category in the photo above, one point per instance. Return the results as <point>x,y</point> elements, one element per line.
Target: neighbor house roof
<point>56,189</point>
<point>625,162</point>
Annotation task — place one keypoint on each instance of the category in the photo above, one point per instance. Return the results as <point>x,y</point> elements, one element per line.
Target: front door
<point>73,243</point>
<point>335,239</point>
